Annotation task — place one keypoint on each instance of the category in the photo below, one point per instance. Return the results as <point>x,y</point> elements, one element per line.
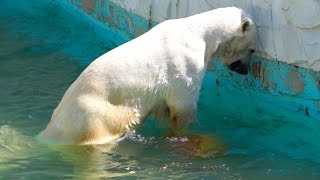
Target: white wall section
<point>289,30</point>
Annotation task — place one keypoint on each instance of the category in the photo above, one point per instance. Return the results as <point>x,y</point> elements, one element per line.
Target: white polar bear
<point>162,69</point>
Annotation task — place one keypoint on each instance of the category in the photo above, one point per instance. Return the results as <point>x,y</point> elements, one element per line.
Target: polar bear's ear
<point>246,25</point>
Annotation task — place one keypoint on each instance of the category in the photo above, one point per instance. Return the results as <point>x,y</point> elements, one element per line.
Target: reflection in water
<point>18,151</point>
<point>14,148</point>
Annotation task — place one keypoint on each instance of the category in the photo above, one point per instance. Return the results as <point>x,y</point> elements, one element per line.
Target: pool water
<point>38,62</point>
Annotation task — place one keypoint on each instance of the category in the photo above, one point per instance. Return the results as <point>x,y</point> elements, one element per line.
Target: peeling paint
<point>89,5</point>
<point>128,24</point>
<point>260,72</point>
<point>293,81</point>
<point>118,18</point>
<point>111,11</point>
<point>110,19</point>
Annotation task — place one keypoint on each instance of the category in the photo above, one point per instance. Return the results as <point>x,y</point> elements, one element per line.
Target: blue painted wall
<point>275,106</point>
<point>300,86</point>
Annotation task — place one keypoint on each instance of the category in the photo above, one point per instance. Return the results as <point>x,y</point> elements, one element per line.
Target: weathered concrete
<point>284,35</point>
<point>289,31</point>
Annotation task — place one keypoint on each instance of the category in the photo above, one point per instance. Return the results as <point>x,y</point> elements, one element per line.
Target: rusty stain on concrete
<point>293,81</point>
<point>260,72</point>
<point>111,11</point>
<point>256,69</point>
<point>110,19</point>
<point>118,22</point>
<point>89,5</point>
<point>128,24</point>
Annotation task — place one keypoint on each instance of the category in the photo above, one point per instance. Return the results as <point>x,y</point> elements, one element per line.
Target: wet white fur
<point>162,68</point>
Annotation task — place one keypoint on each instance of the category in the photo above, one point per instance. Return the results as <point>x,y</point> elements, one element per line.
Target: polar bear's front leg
<point>182,113</point>
<point>180,118</point>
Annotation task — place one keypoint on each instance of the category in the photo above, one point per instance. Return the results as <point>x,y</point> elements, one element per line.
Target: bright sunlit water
<point>35,71</point>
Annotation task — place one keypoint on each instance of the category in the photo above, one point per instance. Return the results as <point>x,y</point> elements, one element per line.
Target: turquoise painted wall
<point>300,86</point>
<point>274,106</point>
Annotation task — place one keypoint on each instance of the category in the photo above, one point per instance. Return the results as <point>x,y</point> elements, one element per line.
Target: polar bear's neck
<point>213,28</point>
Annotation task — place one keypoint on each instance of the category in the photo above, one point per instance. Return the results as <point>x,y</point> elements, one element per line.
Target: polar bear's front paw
<point>181,121</point>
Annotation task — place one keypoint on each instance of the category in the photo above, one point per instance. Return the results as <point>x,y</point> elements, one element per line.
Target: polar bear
<point>159,72</point>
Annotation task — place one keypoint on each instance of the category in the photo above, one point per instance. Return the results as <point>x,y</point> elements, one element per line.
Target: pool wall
<point>274,107</point>
<point>283,72</point>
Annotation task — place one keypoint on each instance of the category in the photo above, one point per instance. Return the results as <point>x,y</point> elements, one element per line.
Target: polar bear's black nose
<point>251,51</point>
<point>239,67</point>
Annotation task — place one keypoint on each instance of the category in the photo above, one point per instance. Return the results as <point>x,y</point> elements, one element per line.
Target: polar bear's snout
<point>241,66</point>
<point>251,51</point>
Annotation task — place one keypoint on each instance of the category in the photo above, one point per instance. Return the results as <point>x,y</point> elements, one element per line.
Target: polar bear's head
<point>241,41</point>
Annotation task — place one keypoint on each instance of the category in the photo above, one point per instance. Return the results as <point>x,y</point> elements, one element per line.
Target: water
<point>38,62</point>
